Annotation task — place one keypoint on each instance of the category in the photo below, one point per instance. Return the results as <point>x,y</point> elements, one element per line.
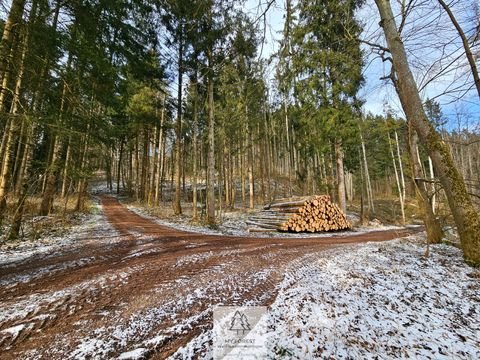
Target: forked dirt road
<point>148,289</point>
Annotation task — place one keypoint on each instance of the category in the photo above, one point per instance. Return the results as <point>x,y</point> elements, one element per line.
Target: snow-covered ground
<point>374,301</point>
<point>233,223</point>
<point>370,301</point>
<point>90,226</point>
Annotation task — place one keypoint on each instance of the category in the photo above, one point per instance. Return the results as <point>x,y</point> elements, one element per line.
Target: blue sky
<point>464,112</point>
<point>427,59</point>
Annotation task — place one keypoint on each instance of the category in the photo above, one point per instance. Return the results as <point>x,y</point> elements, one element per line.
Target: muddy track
<point>152,288</point>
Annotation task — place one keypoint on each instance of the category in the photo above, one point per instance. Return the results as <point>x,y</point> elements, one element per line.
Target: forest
<point>232,179</point>
<point>177,105</point>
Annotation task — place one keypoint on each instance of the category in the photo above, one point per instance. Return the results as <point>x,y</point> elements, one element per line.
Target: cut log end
<point>314,214</point>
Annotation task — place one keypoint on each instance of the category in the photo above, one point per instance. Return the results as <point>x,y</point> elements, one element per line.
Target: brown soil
<point>154,283</point>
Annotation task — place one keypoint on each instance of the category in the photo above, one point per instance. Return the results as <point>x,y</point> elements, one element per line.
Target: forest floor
<point>124,286</point>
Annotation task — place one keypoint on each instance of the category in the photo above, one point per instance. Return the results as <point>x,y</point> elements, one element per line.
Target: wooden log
<point>296,203</point>
<point>260,230</point>
<point>310,214</point>
<point>263,225</point>
<point>269,218</point>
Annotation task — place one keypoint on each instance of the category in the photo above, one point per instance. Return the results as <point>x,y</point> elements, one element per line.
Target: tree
<point>432,225</point>
<point>285,83</point>
<point>177,17</point>
<point>328,65</point>
<point>465,43</point>
<point>62,86</point>
<point>466,218</point>
<point>241,96</point>
<point>214,18</point>
<point>7,55</point>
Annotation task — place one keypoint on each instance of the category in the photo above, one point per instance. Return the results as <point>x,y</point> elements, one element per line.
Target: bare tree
<point>466,45</point>
<point>466,218</point>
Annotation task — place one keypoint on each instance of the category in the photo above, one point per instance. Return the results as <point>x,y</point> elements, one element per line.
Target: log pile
<point>314,214</point>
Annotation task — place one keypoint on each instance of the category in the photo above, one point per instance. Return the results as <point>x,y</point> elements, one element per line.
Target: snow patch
<point>376,300</point>
<point>93,227</point>
<point>14,331</point>
<point>234,224</point>
<point>380,300</point>
<point>133,355</point>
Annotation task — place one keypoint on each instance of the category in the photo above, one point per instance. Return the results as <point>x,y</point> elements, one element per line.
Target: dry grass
<point>388,211</point>
<point>62,217</point>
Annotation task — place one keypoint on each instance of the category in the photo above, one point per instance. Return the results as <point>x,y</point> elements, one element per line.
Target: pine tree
<point>328,65</point>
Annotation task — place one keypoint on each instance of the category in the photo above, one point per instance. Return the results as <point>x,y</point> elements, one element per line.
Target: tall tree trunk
<point>19,155</point>
<point>401,173</point>
<point>12,127</point>
<point>145,163</point>
<point>340,176</point>
<point>5,169</point>
<point>331,183</point>
<point>82,184</point>
<point>160,155</point>
<point>226,170</point>
<point>432,226</point>
<point>12,22</point>
<point>266,145</point>
<point>51,177</point>
<point>6,133</point>
<point>137,168</point>
<point>195,149</point>
<point>289,148</point>
<point>22,159</point>
<point>24,182</point>
<point>52,166</point>
<point>177,207</point>
<point>368,184</point>
<point>163,169</point>
<point>211,148</point>
<point>364,214</point>
<point>260,154</point>
<point>242,170</point>
<point>110,160</point>
<point>433,187</point>
<point>65,177</point>
<point>119,165</point>
<point>251,183</point>
<point>466,217</point>
<point>154,164</point>
<point>232,181</point>
<point>130,172</point>
<point>397,179</point>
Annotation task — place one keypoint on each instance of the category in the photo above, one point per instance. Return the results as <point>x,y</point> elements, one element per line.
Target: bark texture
<point>466,218</point>
<point>432,225</point>
<point>340,175</point>
<point>211,155</point>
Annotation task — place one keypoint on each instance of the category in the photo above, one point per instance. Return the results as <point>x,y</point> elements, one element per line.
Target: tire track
<point>152,288</point>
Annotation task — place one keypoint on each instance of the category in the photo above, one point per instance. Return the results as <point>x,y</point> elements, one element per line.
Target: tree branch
<point>466,46</point>
<point>374,45</point>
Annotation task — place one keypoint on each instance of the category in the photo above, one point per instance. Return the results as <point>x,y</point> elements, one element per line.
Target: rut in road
<point>148,286</point>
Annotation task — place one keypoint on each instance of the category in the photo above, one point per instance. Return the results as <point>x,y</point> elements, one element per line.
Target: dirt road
<point>148,289</point>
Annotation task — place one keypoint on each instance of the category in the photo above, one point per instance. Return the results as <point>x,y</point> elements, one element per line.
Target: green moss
<point>466,218</point>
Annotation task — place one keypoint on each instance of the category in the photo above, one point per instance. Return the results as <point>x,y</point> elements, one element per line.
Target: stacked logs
<point>317,214</point>
<point>313,214</point>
